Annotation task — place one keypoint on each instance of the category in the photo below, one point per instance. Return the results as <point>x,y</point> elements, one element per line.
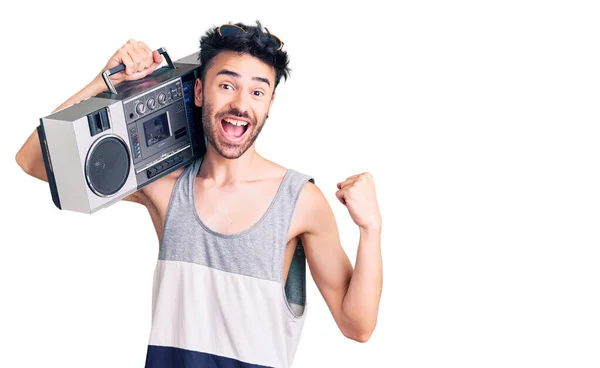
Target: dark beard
<point>225,149</point>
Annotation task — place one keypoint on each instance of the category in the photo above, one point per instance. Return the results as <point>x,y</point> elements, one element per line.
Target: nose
<point>241,102</point>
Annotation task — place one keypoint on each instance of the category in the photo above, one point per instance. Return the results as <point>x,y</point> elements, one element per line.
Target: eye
<point>258,93</point>
<point>226,86</point>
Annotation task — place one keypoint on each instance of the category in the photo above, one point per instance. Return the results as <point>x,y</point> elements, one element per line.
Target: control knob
<point>162,98</point>
<point>140,108</point>
<point>151,103</point>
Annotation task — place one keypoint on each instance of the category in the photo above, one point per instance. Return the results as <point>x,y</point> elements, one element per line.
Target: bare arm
<point>29,157</point>
<point>352,295</point>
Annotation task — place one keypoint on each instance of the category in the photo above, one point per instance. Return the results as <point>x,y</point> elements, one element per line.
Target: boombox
<point>104,148</point>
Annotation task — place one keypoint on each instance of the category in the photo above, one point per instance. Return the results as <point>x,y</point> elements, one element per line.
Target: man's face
<point>236,96</point>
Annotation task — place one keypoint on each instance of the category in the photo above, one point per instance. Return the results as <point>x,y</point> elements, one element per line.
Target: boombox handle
<point>121,67</point>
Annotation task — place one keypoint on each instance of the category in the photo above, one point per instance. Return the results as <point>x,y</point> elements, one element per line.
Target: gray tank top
<point>220,299</point>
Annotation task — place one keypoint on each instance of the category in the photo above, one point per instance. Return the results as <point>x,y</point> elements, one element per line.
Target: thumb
<point>157,57</point>
<point>144,72</point>
<point>340,196</point>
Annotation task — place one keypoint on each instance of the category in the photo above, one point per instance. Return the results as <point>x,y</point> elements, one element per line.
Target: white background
<point>478,120</point>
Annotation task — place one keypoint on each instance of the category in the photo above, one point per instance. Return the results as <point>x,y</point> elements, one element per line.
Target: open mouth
<point>234,129</point>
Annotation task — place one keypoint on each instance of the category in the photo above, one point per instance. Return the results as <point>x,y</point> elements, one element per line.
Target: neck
<point>228,171</point>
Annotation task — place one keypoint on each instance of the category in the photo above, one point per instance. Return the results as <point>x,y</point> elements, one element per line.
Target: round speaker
<point>107,165</point>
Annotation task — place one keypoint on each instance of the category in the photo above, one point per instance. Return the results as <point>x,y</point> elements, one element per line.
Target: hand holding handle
<point>121,67</point>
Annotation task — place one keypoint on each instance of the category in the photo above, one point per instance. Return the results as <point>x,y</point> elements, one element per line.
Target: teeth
<point>236,122</point>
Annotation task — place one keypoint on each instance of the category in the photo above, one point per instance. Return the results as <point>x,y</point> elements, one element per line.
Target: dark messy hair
<point>255,42</point>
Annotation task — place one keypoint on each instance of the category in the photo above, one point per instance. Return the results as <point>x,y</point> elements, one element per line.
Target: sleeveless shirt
<point>219,300</point>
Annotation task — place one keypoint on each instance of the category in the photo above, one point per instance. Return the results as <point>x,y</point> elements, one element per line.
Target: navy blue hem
<point>169,357</point>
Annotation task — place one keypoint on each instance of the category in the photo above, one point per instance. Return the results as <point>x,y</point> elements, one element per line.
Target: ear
<point>198,92</point>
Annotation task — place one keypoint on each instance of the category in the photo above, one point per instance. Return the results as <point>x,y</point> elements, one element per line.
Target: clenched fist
<point>357,193</point>
<point>139,61</point>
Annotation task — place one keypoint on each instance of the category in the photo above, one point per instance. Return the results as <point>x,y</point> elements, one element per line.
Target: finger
<point>153,57</point>
<point>347,182</point>
<point>137,56</point>
<point>153,64</point>
<point>147,71</point>
<point>340,196</point>
<point>146,53</point>
<point>157,57</point>
<point>142,45</point>
<point>127,61</point>
<point>354,178</point>
<point>351,178</point>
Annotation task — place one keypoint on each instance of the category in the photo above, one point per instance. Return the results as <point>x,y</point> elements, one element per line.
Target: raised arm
<point>352,295</point>
<point>139,61</point>
<point>29,157</point>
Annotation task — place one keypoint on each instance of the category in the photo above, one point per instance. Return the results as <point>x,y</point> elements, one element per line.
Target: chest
<point>234,208</point>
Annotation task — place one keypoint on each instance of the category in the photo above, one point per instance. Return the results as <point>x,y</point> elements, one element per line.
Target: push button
<point>104,119</point>
<point>151,172</point>
<point>163,166</point>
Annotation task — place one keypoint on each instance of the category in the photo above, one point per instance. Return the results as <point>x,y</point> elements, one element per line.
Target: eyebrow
<point>236,75</point>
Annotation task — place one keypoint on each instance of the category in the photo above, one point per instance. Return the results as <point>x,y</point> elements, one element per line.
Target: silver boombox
<point>104,148</point>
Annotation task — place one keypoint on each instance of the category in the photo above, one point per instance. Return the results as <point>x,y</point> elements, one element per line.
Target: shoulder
<point>162,188</point>
<point>310,192</point>
<point>159,192</point>
<point>301,184</point>
<point>312,207</point>
<point>155,191</point>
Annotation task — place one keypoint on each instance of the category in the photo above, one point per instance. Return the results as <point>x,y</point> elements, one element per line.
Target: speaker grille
<point>107,166</point>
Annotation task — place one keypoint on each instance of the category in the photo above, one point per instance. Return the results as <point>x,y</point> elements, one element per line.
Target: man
<point>236,229</point>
